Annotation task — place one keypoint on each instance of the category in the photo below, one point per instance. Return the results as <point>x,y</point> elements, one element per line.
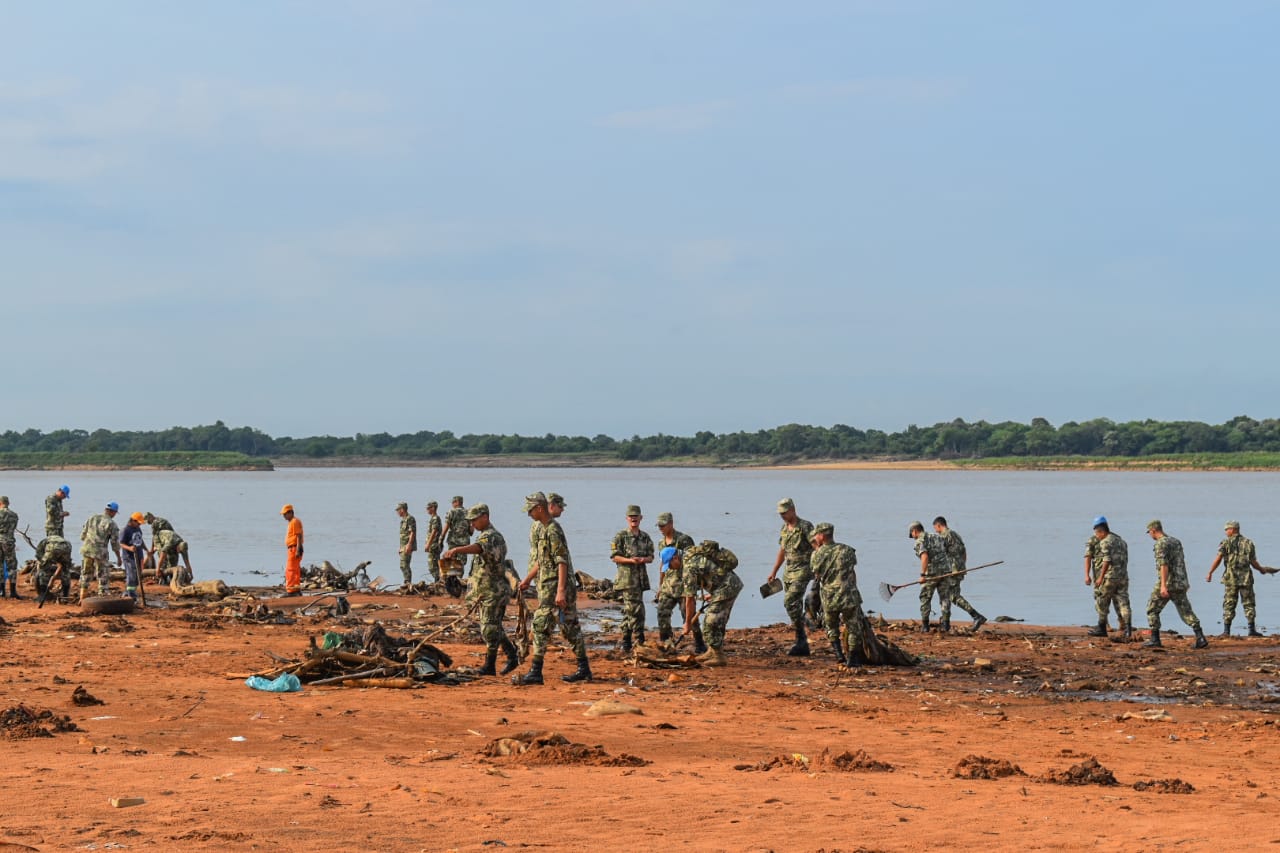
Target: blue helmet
<point>113,506</point>
<point>1099,521</point>
<point>66,491</point>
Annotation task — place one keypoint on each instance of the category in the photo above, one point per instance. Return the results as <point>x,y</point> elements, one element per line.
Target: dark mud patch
<point>550,748</point>
<point>1087,772</point>
<point>982,767</point>
<point>20,723</point>
<point>1164,786</point>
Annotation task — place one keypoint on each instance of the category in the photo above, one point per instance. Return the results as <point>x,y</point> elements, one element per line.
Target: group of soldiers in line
<point>1106,568</point>
<point>100,537</point>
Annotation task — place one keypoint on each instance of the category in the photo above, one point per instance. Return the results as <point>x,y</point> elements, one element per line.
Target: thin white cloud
<point>682,118</point>
<point>902,89</point>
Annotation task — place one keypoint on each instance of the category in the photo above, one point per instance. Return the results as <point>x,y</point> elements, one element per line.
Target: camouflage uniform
<point>551,550</point>
<point>795,541</point>
<point>53,517</point>
<point>1090,553</point>
<point>671,590</point>
<point>53,552</point>
<point>632,581</point>
<point>158,524</point>
<point>171,547</point>
<point>408,534</point>
<point>1168,552</point>
<point>939,564</point>
<point>8,556</point>
<point>435,545</point>
<point>459,528</point>
<point>710,568</point>
<point>1239,555</point>
<point>1114,588</point>
<point>959,557</point>
<point>489,584</point>
<point>833,566</point>
<point>99,534</point>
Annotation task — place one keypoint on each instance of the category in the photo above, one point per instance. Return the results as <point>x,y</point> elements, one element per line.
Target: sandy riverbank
<point>748,757</point>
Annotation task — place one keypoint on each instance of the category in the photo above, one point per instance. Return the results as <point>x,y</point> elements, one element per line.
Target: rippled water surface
<point>1037,522</point>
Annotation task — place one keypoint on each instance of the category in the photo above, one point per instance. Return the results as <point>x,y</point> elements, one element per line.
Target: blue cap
<point>667,554</point>
<point>66,490</point>
<point>1100,520</point>
<point>113,506</point>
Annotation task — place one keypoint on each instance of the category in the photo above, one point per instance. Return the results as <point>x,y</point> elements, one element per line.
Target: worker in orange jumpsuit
<point>292,544</point>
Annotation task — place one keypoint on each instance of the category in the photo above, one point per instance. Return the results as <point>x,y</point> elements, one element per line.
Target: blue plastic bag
<point>287,683</point>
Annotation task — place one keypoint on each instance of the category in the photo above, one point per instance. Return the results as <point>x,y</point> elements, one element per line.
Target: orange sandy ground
<point>342,768</point>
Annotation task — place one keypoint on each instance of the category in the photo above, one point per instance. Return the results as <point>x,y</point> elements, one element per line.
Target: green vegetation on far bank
<point>1154,462</point>
<point>173,460</point>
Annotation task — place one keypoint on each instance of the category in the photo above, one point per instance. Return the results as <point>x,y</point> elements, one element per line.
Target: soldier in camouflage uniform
<point>172,548</point>
<point>489,584</point>
<point>557,592</point>
<point>435,541</point>
<point>408,542</point>
<point>795,549</point>
<point>632,552</point>
<point>1237,578</point>
<point>959,557</point>
<point>834,568</point>
<point>1171,585</point>
<point>53,555</point>
<point>710,569</point>
<point>99,534</point>
<point>53,511</point>
<point>457,532</point>
<point>1090,552</point>
<point>1108,572</point>
<point>671,585</point>
<point>934,561</point>
<point>8,554</point>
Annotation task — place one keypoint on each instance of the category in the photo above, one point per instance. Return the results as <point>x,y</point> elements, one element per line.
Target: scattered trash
<point>610,708</point>
<point>83,698</point>
<point>285,683</point>
<point>125,802</point>
<point>238,738</point>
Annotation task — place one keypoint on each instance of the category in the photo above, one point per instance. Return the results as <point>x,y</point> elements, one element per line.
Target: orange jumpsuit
<point>293,563</point>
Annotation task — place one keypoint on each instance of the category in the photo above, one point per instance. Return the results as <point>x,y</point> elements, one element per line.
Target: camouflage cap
<point>149,517</point>
<point>664,518</point>
<point>786,504</point>
<point>1154,524</point>
<point>915,525</point>
<point>633,510</point>
<point>535,499</point>
<point>824,527</point>
<point>4,499</point>
<point>1231,525</point>
<point>402,505</point>
<point>432,505</point>
<point>476,511</point>
<point>556,498</point>
<point>457,499</point>
<point>709,545</point>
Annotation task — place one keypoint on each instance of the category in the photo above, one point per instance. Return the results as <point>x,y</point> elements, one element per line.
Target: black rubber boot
<point>924,624</point>
<point>1201,641</point>
<point>1126,632</point>
<point>513,656</point>
<point>1253,630</point>
<point>626,644</point>
<point>533,676</point>
<point>1154,642</point>
<point>1226,629</point>
<point>664,635</point>
<point>699,644</point>
<point>582,673</point>
<point>2,594</point>
<point>1099,630</point>
<point>839,650</point>
<point>490,662</point>
<point>978,622</point>
<point>801,648</point>
<point>640,637</point>
<point>944,625</point>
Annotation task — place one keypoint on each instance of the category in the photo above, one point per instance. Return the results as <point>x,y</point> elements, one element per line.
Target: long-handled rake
<point>887,590</point>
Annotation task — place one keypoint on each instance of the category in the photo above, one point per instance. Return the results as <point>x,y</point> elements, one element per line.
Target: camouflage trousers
<point>942,588</point>
<point>406,559</point>
<point>1114,589</point>
<point>492,610</point>
<point>1238,589</point>
<point>795,580</point>
<point>433,562</point>
<point>44,572</point>
<point>1179,598</point>
<point>632,601</point>
<point>848,611</point>
<point>670,596</point>
<point>8,561</point>
<point>715,618</point>
<point>97,564</point>
<point>545,618</point>
<point>960,601</point>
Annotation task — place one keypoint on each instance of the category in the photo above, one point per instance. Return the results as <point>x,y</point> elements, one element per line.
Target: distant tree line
<point>956,439</point>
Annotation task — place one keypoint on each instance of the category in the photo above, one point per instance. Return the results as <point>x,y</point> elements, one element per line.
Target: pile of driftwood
<point>326,575</point>
<point>370,657</point>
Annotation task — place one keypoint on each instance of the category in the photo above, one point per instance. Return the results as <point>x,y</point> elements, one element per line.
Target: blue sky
<point>636,217</point>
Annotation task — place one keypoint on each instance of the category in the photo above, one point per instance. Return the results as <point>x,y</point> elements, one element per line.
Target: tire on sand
<point>107,605</point>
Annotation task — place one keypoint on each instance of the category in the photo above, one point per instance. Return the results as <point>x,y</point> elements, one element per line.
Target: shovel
<point>887,590</point>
